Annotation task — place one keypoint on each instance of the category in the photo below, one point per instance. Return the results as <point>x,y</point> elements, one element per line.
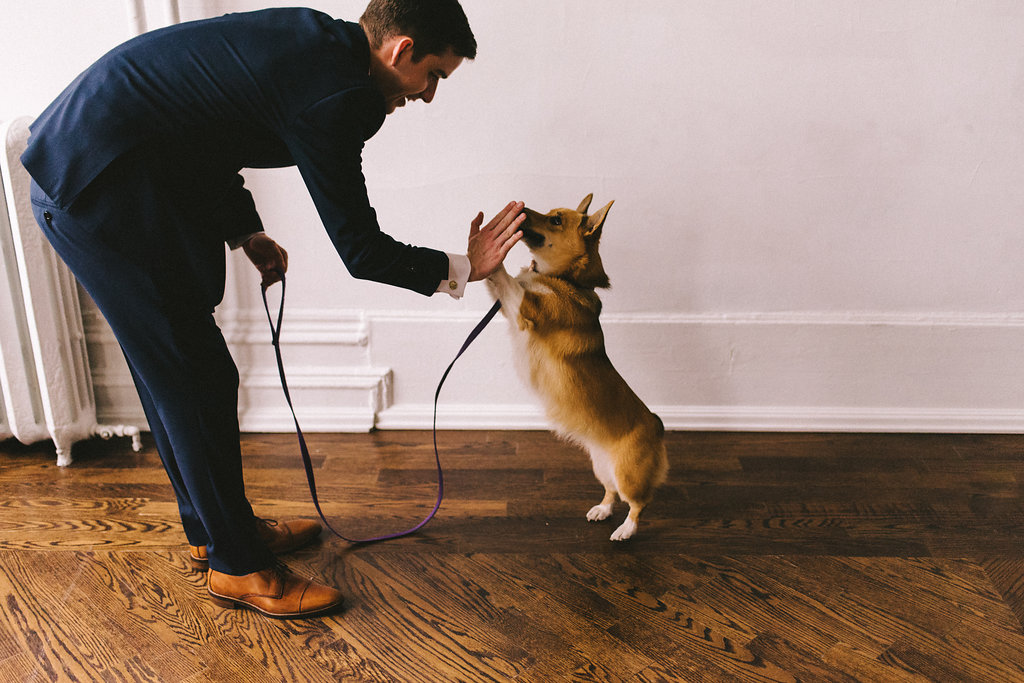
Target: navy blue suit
<point>136,184</point>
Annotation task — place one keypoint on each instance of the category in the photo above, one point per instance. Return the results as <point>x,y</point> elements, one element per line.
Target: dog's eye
<point>556,220</point>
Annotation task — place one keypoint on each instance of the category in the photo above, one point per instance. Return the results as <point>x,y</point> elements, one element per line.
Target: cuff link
<point>453,285</point>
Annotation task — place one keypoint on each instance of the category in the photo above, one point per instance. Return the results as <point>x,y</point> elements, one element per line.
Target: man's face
<point>409,80</point>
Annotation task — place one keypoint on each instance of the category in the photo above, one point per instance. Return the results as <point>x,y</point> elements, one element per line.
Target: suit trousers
<point>146,241</point>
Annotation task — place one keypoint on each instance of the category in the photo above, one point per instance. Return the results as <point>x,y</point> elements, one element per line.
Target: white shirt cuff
<point>459,268</point>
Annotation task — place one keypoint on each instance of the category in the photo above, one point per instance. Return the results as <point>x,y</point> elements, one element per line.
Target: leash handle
<point>275,333</point>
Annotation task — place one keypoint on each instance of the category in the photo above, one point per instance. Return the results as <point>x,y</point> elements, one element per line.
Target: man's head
<point>414,44</point>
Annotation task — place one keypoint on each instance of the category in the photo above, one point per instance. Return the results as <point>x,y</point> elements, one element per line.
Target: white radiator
<point>44,369</point>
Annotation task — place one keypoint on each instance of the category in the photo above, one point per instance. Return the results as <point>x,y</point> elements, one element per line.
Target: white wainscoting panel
<point>325,354</point>
<point>780,371</point>
<point>353,371</point>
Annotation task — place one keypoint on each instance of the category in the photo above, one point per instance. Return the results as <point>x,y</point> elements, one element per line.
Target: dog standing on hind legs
<point>554,311</point>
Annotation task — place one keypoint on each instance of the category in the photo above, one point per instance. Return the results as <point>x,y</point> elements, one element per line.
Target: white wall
<point>817,222</point>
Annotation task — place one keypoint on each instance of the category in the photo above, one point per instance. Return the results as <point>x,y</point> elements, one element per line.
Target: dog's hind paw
<point>625,531</point>
<point>599,513</point>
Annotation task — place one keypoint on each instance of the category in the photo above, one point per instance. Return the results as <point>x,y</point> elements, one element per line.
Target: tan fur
<point>555,314</point>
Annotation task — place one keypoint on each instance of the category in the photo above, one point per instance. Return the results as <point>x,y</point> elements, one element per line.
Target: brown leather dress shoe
<point>275,592</point>
<point>198,557</point>
<point>281,538</point>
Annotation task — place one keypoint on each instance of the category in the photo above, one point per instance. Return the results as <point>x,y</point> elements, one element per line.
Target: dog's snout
<point>533,240</point>
<point>533,218</point>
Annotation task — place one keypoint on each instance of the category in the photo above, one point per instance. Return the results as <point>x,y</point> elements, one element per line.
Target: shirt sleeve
<point>326,142</point>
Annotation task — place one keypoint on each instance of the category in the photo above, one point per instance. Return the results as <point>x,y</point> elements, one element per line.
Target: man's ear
<point>585,204</point>
<point>596,222</point>
<point>401,48</point>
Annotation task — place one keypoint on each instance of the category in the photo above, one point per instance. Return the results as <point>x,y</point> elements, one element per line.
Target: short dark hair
<point>433,25</point>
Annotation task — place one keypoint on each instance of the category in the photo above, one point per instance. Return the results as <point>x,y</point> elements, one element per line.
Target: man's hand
<point>488,246</point>
<point>268,257</point>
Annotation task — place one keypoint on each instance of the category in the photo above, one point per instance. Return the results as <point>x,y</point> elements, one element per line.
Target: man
<point>135,183</point>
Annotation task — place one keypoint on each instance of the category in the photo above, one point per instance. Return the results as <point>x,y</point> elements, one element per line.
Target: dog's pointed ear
<point>595,222</point>
<point>585,204</point>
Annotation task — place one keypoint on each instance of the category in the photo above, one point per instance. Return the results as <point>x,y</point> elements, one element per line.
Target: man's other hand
<point>268,257</point>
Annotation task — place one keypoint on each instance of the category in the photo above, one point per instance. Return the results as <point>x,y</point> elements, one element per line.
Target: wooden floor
<point>777,557</point>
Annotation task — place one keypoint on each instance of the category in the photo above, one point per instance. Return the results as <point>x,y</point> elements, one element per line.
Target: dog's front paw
<point>625,531</point>
<point>599,513</point>
<point>499,274</point>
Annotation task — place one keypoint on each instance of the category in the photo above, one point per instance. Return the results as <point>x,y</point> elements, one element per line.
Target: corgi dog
<point>553,310</point>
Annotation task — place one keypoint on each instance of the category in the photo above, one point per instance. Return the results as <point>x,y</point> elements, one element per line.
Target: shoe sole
<point>231,603</point>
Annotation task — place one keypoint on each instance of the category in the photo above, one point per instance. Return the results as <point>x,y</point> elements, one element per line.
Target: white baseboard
<point>839,419</point>
<point>725,418</point>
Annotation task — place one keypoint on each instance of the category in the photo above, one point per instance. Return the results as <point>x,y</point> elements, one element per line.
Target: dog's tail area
<point>663,454</point>
<point>661,426</point>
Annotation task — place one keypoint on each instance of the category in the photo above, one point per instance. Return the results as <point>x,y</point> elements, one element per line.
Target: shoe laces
<point>281,571</point>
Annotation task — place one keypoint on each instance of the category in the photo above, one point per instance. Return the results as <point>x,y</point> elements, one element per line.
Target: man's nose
<point>428,94</point>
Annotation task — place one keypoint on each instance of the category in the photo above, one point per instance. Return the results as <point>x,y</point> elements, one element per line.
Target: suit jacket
<point>270,88</point>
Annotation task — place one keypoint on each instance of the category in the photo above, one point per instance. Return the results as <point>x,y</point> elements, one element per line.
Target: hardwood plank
<point>866,667</point>
<point>22,667</point>
<point>966,653</point>
<point>67,635</point>
<point>566,626</point>
<point>765,557</point>
<point>1007,574</point>
<point>440,619</point>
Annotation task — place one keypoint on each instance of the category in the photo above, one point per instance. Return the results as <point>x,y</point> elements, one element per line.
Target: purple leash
<point>275,331</point>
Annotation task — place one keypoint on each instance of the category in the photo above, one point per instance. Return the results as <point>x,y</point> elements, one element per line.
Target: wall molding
<point>849,371</point>
<point>302,326</point>
<point>725,418</point>
<point>781,371</point>
<point>330,379</point>
<point>823,318</point>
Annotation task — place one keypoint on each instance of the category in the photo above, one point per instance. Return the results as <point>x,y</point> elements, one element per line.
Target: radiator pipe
<point>171,12</point>
<point>137,15</point>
